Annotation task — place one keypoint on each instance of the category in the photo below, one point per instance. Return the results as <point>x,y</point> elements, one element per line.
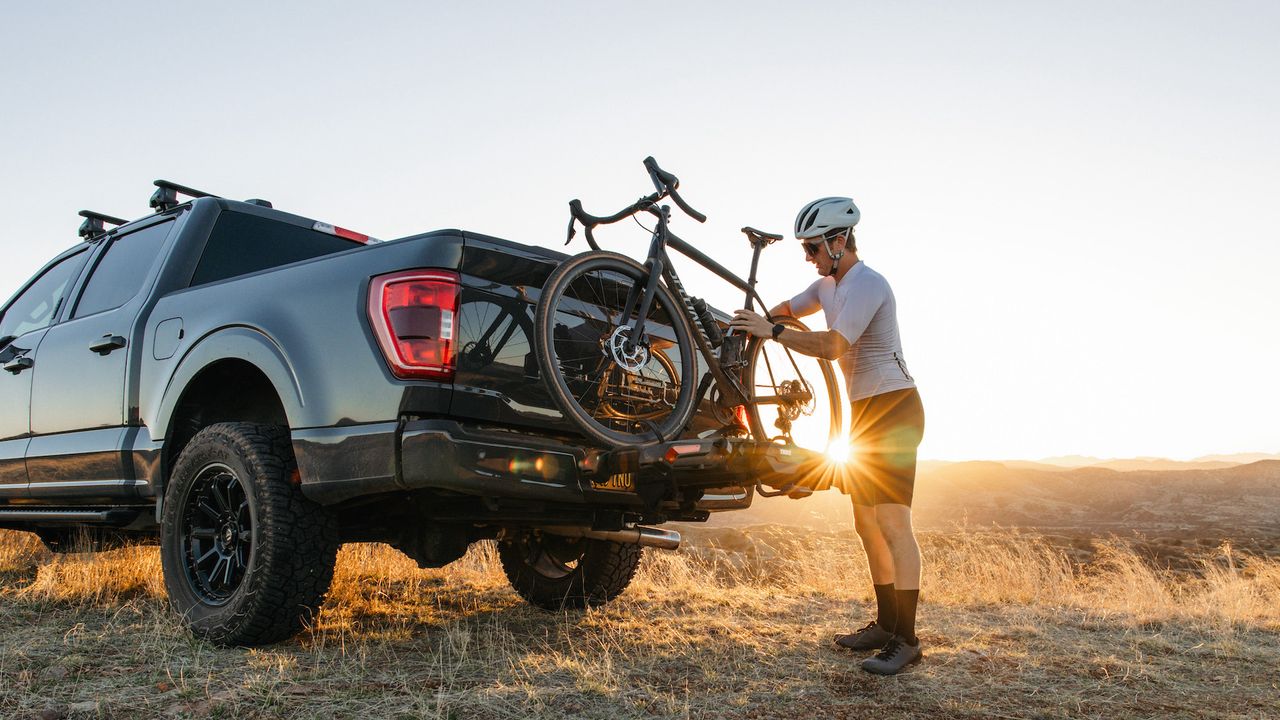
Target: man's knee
<point>864,522</point>
<point>894,523</point>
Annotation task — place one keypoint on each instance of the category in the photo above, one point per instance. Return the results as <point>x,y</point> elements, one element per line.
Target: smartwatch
<point>777,330</point>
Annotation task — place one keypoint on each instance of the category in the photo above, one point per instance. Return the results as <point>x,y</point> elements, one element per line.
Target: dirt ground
<point>736,624</point>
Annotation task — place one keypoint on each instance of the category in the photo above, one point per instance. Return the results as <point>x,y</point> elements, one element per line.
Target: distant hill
<point>1072,460</point>
<point>1239,458</point>
<point>1162,464</point>
<point>1207,462</point>
<point>1028,465</point>
<point>1232,501</point>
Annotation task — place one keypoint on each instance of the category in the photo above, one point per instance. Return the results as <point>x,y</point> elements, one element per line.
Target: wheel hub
<point>229,534</point>
<point>629,356</point>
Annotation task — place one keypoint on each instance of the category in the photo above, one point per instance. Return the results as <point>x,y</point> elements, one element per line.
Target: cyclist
<point>887,417</point>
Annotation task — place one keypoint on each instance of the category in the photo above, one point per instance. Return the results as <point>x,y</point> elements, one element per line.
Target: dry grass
<point>736,625</point>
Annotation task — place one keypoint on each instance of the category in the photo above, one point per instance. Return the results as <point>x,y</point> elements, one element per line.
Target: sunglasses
<point>812,248</point>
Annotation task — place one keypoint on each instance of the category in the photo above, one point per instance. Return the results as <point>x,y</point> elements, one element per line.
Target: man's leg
<point>889,464</point>
<point>880,561</point>
<point>895,525</point>
<point>879,556</point>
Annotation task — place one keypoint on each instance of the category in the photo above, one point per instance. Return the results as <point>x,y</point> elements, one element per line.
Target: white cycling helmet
<point>826,214</point>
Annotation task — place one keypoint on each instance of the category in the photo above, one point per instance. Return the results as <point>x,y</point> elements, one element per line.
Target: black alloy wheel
<point>217,533</point>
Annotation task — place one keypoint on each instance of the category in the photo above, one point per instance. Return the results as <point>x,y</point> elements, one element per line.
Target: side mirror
<point>4,341</point>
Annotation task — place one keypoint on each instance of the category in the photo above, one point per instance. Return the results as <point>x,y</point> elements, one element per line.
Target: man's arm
<point>784,308</point>
<point>826,344</point>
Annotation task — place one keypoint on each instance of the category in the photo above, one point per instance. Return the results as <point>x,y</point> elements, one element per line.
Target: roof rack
<point>95,223</point>
<point>166,195</point>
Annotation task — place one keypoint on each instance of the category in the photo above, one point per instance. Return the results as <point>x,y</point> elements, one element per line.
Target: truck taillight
<point>413,314</point>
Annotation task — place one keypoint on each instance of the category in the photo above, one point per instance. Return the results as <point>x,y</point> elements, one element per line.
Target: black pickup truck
<point>252,388</point>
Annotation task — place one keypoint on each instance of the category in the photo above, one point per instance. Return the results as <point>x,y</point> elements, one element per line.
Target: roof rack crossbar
<point>95,223</point>
<point>166,195</point>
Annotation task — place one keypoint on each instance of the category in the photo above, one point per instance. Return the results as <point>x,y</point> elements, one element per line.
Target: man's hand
<point>751,323</point>
<point>827,344</point>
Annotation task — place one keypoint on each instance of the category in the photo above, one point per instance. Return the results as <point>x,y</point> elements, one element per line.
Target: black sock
<point>906,627</point>
<point>886,609</point>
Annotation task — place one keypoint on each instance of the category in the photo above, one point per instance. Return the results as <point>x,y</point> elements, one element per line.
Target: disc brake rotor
<point>628,356</point>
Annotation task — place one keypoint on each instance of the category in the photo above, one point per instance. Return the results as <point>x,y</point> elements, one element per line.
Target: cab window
<point>241,244</point>
<point>122,270</point>
<point>38,305</point>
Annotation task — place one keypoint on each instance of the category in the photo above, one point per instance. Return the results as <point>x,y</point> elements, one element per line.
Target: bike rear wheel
<point>615,390</point>
<point>794,398</point>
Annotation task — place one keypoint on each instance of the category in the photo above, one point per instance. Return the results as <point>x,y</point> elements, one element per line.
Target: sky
<point>1073,202</point>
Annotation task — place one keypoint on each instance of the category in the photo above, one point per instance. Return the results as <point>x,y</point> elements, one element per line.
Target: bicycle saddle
<point>755,236</point>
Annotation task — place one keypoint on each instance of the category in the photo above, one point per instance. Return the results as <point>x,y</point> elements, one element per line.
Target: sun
<point>838,451</point>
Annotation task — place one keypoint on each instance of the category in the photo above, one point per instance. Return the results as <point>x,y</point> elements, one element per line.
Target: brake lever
<point>572,231</point>
<point>668,184</point>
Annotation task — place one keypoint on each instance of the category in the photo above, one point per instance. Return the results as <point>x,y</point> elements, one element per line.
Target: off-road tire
<point>294,542</point>
<point>603,570</point>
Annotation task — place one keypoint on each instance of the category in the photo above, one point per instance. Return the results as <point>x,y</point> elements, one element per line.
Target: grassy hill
<point>1185,509</point>
<point>1052,615</point>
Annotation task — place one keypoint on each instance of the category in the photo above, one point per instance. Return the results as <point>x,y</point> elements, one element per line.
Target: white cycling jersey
<point>861,307</point>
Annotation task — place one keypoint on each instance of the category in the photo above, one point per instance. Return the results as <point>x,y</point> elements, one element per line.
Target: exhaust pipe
<point>639,535</point>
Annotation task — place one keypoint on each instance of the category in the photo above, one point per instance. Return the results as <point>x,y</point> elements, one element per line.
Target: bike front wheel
<point>794,398</point>
<point>616,389</point>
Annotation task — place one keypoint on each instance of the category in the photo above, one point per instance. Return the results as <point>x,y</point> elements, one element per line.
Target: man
<point>887,417</point>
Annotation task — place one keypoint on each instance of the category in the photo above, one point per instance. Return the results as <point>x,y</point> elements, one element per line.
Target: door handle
<point>19,364</point>
<point>107,344</point>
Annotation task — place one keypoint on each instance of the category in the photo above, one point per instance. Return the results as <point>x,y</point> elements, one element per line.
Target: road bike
<point>618,343</point>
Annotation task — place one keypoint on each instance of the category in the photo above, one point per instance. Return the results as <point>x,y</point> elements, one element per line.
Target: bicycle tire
<point>578,382</point>
<point>761,354</point>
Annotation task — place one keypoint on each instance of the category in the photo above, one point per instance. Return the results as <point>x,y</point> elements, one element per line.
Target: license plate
<point>622,482</point>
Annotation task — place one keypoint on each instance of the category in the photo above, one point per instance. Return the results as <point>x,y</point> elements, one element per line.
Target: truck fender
<point>242,343</point>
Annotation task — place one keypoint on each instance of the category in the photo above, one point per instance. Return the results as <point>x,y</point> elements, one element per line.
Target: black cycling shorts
<point>886,430</point>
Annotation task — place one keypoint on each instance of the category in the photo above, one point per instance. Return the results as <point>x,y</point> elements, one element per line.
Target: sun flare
<point>838,451</point>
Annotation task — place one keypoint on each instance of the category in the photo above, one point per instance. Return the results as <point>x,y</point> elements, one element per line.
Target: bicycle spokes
<point>617,379</point>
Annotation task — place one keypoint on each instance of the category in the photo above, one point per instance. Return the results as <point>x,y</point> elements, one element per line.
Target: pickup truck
<point>250,389</point>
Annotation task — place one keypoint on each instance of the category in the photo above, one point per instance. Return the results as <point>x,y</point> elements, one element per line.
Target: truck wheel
<point>247,559</point>
<point>555,572</point>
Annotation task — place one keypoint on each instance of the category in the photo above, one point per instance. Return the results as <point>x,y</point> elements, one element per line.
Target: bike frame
<point>659,265</point>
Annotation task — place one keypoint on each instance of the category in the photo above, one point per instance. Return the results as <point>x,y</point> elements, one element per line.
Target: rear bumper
<point>343,464</point>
